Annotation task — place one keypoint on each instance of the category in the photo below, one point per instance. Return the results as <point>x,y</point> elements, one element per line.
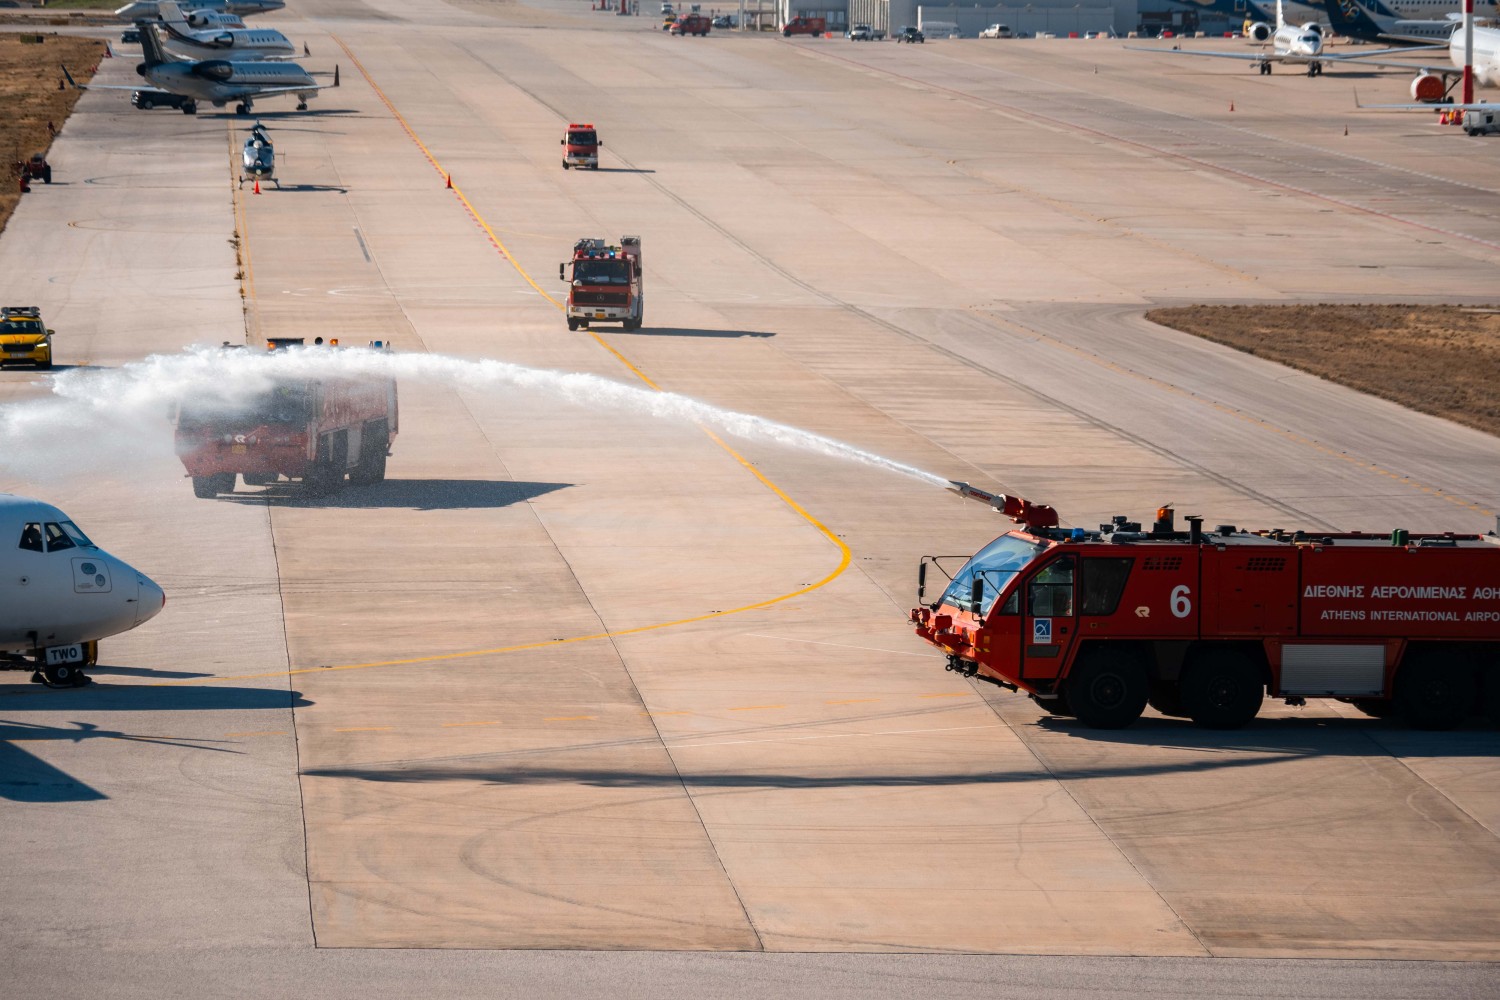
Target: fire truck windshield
<point>581,139</point>
<point>602,272</point>
<point>998,563</point>
<point>285,404</point>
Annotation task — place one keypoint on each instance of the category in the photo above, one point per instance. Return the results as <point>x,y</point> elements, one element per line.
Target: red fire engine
<point>1203,624</point>
<point>317,430</point>
<point>606,283</point>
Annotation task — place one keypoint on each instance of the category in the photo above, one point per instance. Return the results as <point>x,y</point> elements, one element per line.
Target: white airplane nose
<point>150,600</point>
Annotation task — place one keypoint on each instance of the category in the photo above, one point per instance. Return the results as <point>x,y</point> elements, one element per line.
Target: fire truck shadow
<point>658,331</point>
<point>1311,736</point>
<point>624,170</point>
<point>413,494</point>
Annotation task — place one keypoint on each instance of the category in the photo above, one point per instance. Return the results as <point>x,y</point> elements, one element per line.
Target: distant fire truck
<point>581,144</point>
<point>317,430</point>
<point>1199,624</point>
<point>605,283</point>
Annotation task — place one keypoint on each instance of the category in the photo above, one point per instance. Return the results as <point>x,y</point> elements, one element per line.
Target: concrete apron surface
<point>641,700</point>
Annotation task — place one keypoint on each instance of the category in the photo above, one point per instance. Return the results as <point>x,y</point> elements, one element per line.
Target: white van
<point>1482,122</point>
<point>996,31</point>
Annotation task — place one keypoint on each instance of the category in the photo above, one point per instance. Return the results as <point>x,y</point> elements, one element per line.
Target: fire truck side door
<point>1049,624</point>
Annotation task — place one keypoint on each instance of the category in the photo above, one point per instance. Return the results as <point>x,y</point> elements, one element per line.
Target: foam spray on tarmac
<point>111,420</point>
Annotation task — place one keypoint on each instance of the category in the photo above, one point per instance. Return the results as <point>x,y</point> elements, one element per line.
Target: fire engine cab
<point>1204,624</point>
<point>605,283</point>
<point>581,147</point>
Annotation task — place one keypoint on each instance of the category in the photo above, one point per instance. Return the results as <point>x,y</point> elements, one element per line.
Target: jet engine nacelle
<point>1312,28</point>
<point>140,69</point>
<point>215,69</point>
<point>1427,87</point>
<point>1260,31</point>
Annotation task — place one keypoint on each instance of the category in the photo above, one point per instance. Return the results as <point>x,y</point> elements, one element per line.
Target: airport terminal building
<point>1039,17</point>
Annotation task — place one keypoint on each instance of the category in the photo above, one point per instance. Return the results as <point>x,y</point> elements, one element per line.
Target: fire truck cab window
<point>31,537</point>
<point>602,272</point>
<point>57,538</point>
<point>1102,584</point>
<point>998,563</point>
<point>1051,592</point>
<point>580,138</point>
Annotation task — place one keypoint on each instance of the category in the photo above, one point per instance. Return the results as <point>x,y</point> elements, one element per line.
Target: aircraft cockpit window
<point>57,538</point>
<point>31,537</point>
<point>79,538</point>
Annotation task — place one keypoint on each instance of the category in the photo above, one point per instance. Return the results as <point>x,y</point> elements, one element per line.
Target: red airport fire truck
<point>581,146</point>
<point>1204,624</point>
<point>605,283</point>
<point>317,430</point>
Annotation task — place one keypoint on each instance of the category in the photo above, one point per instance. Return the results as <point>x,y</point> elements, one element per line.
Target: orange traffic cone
<point>450,180</point>
<point>257,185</point>
<point>1231,105</point>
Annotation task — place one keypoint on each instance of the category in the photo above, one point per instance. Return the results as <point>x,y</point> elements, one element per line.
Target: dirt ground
<point>1443,360</point>
<point>29,76</point>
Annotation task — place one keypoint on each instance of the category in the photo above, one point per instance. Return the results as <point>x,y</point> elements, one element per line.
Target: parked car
<point>996,31</point>
<point>909,34</point>
<point>37,169</point>
<point>148,99</point>
<point>861,33</point>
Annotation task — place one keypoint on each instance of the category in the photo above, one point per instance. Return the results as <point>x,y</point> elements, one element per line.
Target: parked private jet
<point>1431,84</point>
<point>147,9</point>
<point>60,593</point>
<point>1292,44</point>
<point>221,43</point>
<point>217,81</point>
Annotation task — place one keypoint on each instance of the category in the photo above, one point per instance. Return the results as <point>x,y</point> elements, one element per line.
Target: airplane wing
<point>144,88</point>
<point>300,89</point>
<point>1400,50</point>
<point>1264,57</point>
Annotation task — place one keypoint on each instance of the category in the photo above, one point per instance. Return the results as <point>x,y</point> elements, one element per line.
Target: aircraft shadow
<point>415,494</point>
<point>144,672</point>
<point>24,777</point>
<point>294,188</point>
<point>103,697</point>
<point>680,332</point>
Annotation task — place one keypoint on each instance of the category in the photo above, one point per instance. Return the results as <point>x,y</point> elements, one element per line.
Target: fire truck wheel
<point>1222,690</point>
<point>208,487</point>
<point>1375,708</point>
<point>565,164</point>
<point>572,323</point>
<point>1108,689</point>
<point>371,467</point>
<point>1166,698</point>
<point>1434,693</point>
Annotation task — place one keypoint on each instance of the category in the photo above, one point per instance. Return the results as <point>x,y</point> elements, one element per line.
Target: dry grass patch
<point>1443,360</point>
<point>29,99</point>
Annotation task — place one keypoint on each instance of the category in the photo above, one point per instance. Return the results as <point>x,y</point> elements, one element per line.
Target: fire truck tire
<point>1222,690</point>
<point>208,487</point>
<point>1375,708</point>
<point>1166,698</point>
<point>1107,689</point>
<point>1434,693</point>
<point>572,323</point>
<point>565,164</point>
<point>371,468</point>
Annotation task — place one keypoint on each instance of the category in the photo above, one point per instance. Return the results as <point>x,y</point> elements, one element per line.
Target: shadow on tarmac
<point>304,188</point>
<point>416,494</point>
<point>27,778</point>
<point>678,332</point>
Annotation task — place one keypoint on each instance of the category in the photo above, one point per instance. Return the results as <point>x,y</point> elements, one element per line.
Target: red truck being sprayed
<point>1097,624</point>
<point>605,283</point>
<point>317,430</point>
